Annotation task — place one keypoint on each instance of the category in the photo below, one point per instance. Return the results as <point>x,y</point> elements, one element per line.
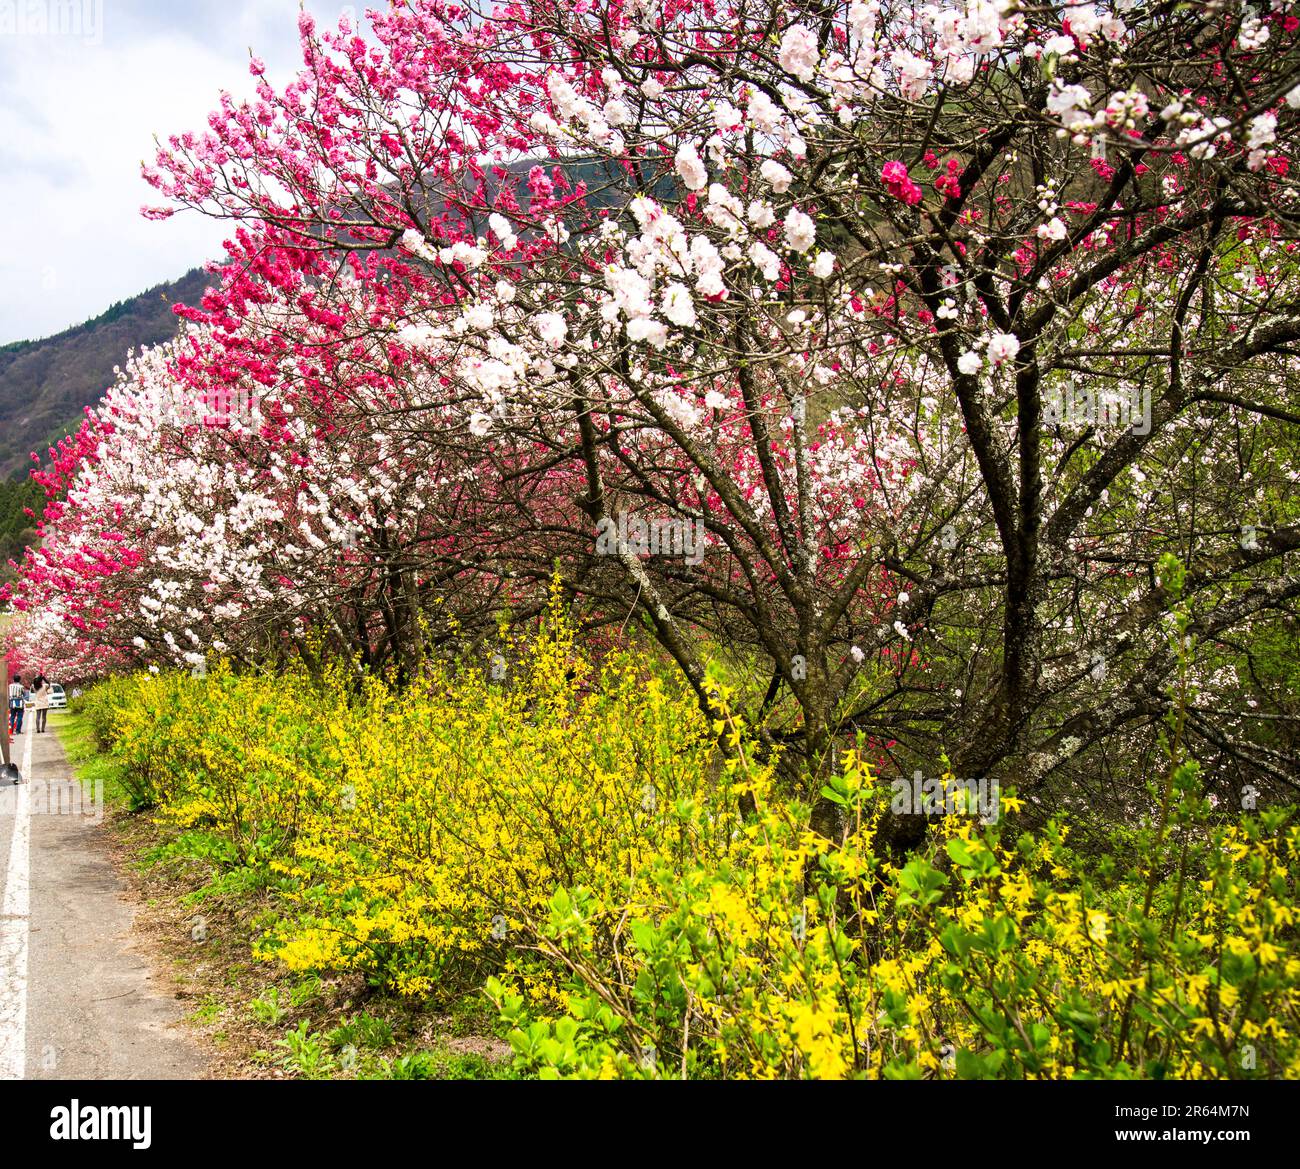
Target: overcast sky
<point>78,112</point>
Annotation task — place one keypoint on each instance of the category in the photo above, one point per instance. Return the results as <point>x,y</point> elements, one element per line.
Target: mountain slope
<point>45,385</point>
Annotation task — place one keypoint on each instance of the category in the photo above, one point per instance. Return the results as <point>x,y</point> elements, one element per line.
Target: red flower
<point>893,173</point>
<point>894,176</point>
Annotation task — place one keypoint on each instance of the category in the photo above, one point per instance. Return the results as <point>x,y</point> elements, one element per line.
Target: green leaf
<point>960,854</point>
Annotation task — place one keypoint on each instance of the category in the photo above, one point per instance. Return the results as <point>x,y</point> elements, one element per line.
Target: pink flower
<point>690,167</point>
<point>799,54</point>
<point>897,183</point>
<point>893,173</point>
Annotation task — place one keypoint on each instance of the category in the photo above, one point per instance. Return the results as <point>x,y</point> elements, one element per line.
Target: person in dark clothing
<point>17,703</point>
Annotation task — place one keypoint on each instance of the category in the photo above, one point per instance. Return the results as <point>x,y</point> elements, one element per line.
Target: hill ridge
<point>46,383</point>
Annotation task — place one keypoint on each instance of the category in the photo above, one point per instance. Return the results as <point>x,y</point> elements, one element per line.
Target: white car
<point>58,699</point>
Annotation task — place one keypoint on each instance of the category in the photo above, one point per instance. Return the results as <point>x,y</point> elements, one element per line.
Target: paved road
<point>77,999</point>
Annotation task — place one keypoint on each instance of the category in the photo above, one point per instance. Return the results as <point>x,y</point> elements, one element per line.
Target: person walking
<point>41,701</point>
<point>17,702</point>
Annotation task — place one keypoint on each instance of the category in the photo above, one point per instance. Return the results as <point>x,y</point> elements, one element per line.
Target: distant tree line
<point>17,528</point>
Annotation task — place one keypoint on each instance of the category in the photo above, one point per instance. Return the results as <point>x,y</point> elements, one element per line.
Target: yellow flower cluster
<point>981,956</point>
<point>414,835</point>
<point>643,902</point>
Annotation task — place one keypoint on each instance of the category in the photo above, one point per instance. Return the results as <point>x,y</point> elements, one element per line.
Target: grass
<point>95,772</point>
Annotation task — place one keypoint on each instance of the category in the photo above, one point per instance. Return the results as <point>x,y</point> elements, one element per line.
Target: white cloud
<point>77,119</point>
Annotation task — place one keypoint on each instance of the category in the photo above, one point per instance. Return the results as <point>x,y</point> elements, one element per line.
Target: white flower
<point>800,232</point>
<point>1263,131</point>
<point>415,243</point>
<point>1054,229</point>
<point>725,209</point>
<point>685,414</point>
<point>764,114</point>
<point>479,316</point>
<point>554,230</point>
<point>708,267</point>
<point>903,598</point>
<point>501,228</point>
<point>551,328</point>
<point>652,88</point>
<point>463,253</point>
<point>479,424</point>
<point>1293,98</point>
<point>823,265</point>
<point>901,630</point>
<point>856,653</point>
<point>690,167</point>
<point>616,113</point>
<point>649,330</point>
<point>761,214</point>
<point>798,52</point>
<point>419,336</point>
<point>727,117</point>
<point>969,362</point>
<point>542,123</point>
<point>776,176</point>
<point>862,19</point>
<point>1003,347</point>
<point>1070,103</point>
<point>765,260</point>
<point>631,290</point>
<point>678,305</point>
<point>715,401</point>
<point>913,72</point>
<point>1253,35</point>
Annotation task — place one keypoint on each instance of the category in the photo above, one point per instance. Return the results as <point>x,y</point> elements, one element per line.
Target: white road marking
<point>15,921</point>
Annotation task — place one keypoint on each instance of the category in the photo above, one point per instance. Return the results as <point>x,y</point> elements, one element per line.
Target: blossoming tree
<point>943,321</point>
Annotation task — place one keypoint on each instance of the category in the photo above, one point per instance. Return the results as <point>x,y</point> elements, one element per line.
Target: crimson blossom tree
<point>944,321</point>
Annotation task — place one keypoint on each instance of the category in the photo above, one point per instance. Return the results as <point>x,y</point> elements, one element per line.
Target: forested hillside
<point>16,526</point>
<point>45,385</point>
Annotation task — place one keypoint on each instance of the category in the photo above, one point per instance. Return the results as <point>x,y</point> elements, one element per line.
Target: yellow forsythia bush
<point>412,836</point>
<point>572,838</point>
<point>987,955</point>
